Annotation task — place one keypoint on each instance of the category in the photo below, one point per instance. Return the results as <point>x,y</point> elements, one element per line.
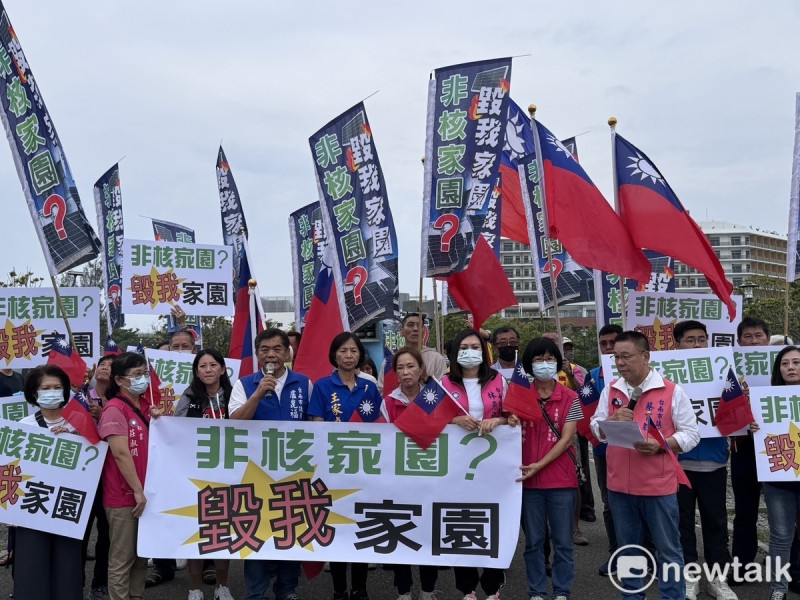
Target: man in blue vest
<point>273,393</point>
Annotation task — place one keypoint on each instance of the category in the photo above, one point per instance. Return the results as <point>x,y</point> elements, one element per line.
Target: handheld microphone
<point>635,395</point>
<point>269,369</point>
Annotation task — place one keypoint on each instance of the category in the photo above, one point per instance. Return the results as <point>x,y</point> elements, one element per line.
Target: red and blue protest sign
<point>358,220</point>
<point>233,222</point>
<point>108,205</point>
<point>66,237</point>
<point>467,115</point>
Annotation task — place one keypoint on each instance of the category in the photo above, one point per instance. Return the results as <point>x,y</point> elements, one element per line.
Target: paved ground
<point>588,584</point>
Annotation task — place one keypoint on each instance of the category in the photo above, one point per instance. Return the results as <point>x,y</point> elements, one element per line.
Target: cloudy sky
<point>707,89</point>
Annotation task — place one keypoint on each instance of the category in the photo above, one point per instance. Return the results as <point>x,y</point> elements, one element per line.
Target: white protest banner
<point>28,317</point>
<point>701,372</point>
<point>754,363</point>
<point>777,412</point>
<point>655,315</point>
<point>159,275</point>
<point>174,369</point>
<point>14,408</point>
<point>342,492</point>
<point>47,481</point>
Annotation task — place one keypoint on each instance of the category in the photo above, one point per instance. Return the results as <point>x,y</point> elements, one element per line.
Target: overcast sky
<point>706,89</point>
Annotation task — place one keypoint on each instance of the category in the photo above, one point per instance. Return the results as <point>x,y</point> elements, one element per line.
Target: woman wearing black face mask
<point>505,342</point>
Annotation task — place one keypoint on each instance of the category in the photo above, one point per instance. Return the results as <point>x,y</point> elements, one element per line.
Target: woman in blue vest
<point>336,398</point>
<point>207,397</point>
<point>480,391</point>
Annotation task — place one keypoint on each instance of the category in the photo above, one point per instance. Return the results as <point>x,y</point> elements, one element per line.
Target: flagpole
<point>786,312</point>
<point>419,311</point>
<point>538,144</point>
<point>436,322</point>
<point>612,123</point>
<point>63,312</point>
<point>252,290</point>
<point>259,308</point>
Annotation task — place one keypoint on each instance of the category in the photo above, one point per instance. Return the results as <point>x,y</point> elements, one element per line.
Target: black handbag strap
<point>556,433</point>
<point>136,410</point>
<point>40,419</point>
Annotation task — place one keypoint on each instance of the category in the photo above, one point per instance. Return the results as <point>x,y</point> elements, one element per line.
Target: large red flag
<point>323,323</point>
<point>482,288</point>
<point>581,219</point>
<point>657,220</point>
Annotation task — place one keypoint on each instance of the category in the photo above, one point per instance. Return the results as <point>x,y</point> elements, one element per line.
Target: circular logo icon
<point>632,562</point>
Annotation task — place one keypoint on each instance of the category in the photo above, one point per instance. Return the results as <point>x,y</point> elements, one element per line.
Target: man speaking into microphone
<point>642,482</point>
<point>273,393</point>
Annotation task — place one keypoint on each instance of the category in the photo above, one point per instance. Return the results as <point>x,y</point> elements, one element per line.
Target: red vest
<point>538,439</point>
<point>116,491</point>
<point>631,472</point>
<point>394,407</point>
<point>491,394</point>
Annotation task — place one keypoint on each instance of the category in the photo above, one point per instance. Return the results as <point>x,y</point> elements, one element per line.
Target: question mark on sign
<point>221,251</point>
<point>357,273</point>
<point>56,207</point>
<point>477,460</point>
<point>724,370</point>
<point>449,233</point>
<point>88,306</point>
<point>96,454</point>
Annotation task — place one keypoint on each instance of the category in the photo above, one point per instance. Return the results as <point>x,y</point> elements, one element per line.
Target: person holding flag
<point>550,482</point>
<point>782,497</point>
<point>47,565</point>
<point>272,393</point>
<point>643,482</point>
<point>480,390</point>
<point>343,396</point>
<point>125,424</point>
<point>410,368</point>
<point>706,469</point>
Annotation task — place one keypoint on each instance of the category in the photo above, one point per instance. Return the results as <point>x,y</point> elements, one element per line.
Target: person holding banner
<point>47,565</point>
<point>335,399</point>
<point>124,424</point>
<point>550,481</point>
<point>480,390</point>
<point>643,482</point>
<point>272,393</point>
<point>706,469</point>
<point>782,497</point>
<point>410,368</point>
<point>207,397</point>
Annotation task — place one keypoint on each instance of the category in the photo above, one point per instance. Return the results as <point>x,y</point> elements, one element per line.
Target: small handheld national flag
<point>589,396</point>
<point>367,411</point>
<point>733,412</point>
<point>521,399</point>
<point>655,433</point>
<point>111,348</point>
<point>62,355</point>
<point>390,381</point>
<point>428,414</point>
<point>76,415</point>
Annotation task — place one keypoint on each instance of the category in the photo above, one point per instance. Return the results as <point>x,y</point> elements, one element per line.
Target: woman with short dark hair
<point>47,565</point>
<point>335,398</point>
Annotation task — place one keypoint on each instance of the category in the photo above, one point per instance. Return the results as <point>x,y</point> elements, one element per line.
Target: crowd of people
<point>643,503</point>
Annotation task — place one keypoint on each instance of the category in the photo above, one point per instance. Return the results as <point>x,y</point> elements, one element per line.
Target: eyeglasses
<point>540,360</point>
<point>626,357</point>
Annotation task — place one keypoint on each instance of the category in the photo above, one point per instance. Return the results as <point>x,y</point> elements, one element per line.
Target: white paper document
<point>622,433</point>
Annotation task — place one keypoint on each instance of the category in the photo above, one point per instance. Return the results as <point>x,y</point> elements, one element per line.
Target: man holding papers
<point>642,482</point>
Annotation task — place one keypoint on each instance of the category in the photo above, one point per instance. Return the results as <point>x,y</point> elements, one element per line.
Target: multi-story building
<point>743,251</point>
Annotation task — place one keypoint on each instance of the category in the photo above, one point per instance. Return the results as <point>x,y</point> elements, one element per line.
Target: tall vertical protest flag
<point>166,231</point>
<point>234,226</point>
<point>577,214</point>
<point>357,217</point>
<point>467,116</point>
<point>518,143</point>
<point>108,205</point>
<point>66,237</point>
<point>308,241</point>
<point>792,264</point>
<point>247,321</point>
<point>657,220</point>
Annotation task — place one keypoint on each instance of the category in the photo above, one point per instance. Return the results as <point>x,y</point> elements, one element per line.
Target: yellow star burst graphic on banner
<point>10,480</point>
<point>262,483</point>
<point>20,341</point>
<point>794,435</point>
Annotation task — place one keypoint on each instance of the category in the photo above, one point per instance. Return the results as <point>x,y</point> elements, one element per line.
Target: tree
<point>26,279</point>
<point>769,303</point>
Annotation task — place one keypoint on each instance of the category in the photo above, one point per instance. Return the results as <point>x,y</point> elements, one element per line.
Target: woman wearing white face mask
<point>480,391</point>
<point>47,565</point>
<point>125,424</point>
<point>550,482</point>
